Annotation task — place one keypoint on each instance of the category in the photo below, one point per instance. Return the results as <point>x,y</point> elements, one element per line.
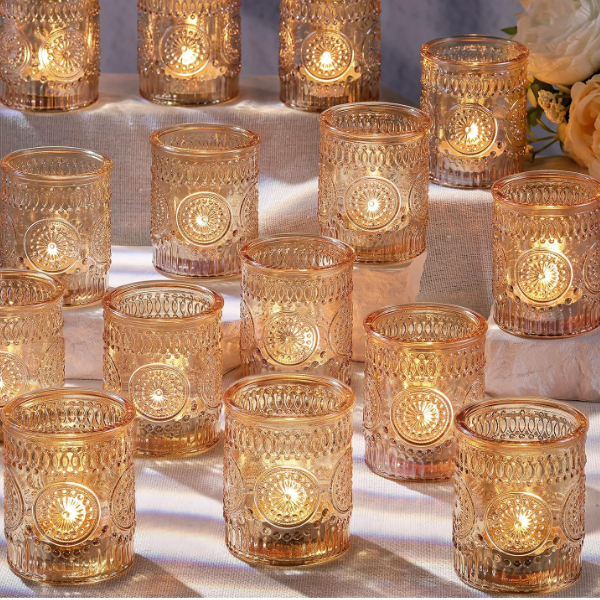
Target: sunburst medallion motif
<point>327,55</point>
<point>518,523</point>
<point>591,269</point>
<point>13,502</point>
<point>159,216</point>
<point>340,332</point>
<point>516,123</point>
<point>470,128</point>
<point>287,496</point>
<point>232,36</point>
<point>52,368</point>
<point>185,49</point>
<point>203,218</point>
<point>52,245</point>
<point>15,50</point>
<point>14,377</point>
<point>543,275</point>
<point>573,514</point>
<point>8,239</point>
<point>159,392</point>
<point>289,338</point>
<point>421,416</point>
<point>286,47</point>
<point>372,48</point>
<point>372,203</point>
<point>372,403</point>
<point>110,374</point>
<point>464,510</point>
<point>341,484</point>
<point>476,391</point>
<point>233,486</point>
<point>122,502</point>
<point>66,513</point>
<point>101,239</point>
<point>65,54</point>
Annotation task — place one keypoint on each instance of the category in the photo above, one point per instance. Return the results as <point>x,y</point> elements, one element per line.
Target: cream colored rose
<point>582,137</point>
<point>563,37</point>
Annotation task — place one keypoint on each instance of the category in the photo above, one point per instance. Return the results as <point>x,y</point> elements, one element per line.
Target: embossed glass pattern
<point>204,198</point>
<point>49,53</point>
<point>329,52</point>
<point>288,469</point>
<point>519,513</point>
<point>55,218</point>
<point>423,362</point>
<point>297,306</point>
<point>374,179</point>
<point>162,351</point>
<point>189,52</point>
<point>32,349</point>
<point>546,254</point>
<point>69,485</point>
<point>473,87</point>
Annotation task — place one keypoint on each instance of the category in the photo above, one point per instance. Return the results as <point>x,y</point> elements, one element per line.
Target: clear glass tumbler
<point>189,52</point>
<point>162,351</point>
<point>329,52</point>
<point>69,485</point>
<point>546,254</point>
<point>297,306</point>
<point>423,363</point>
<point>32,349</point>
<point>49,53</point>
<point>519,514</point>
<point>204,198</point>
<point>55,218</point>
<point>288,469</point>
<point>374,179</point>
<point>473,87</point>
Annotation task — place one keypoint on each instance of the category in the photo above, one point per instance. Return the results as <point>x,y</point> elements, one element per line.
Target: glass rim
<point>500,196</point>
<point>252,139</point>
<point>56,296</point>
<point>475,317</point>
<point>105,166</point>
<point>427,53</point>
<point>289,378</point>
<point>10,424</point>
<point>349,252</point>
<point>426,123</point>
<point>108,301</point>
<point>461,422</point>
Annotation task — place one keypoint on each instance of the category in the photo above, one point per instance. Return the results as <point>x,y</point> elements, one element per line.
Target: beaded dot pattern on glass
<point>122,502</point>
<point>14,377</point>
<point>64,54</point>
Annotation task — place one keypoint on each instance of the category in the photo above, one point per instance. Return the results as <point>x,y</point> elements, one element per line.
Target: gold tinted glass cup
<point>204,198</point>
<point>32,349</point>
<point>473,87</point>
<point>189,52</point>
<point>69,485</point>
<point>288,469</point>
<point>162,351</point>
<point>519,515</point>
<point>374,179</point>
<point>296,307</point>
<point>49,53</point>
<point>423,362</point>
<point>546,254</point>
<point>55,218</point>
<point>329,52</point>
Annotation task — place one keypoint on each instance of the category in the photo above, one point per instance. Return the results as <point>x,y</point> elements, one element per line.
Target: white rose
<point>582,137</point>
<point>563,37</point>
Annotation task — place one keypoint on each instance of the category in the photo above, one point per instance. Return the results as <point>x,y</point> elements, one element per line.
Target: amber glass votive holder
<point>329,52</point>
<point>49,54</point>
<point>288,469</point>
<point>519,515</point>
<point>55,218</point>
<point>374,179</point>
<point>32,349</point>
<point>189,52</point>
<point>423,362</point>
<point>473,87</point>
<point>296,312</point>
<point>546,254</point>
<point>162,351</point>
<point>204,198</point>
<point>69,485</point>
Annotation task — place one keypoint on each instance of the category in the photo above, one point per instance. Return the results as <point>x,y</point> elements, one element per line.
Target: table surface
<point>401,537</point>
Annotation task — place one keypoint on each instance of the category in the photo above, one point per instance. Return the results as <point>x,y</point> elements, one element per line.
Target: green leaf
<point>510,30</point>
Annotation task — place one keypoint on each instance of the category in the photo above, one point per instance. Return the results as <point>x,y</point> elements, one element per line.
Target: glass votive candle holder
<point>546,254</point>
<point>189,52</point>
<point>423,362</point>
<point>55,218</point>
<point>374,179</point>
<point>474,89</point>
<point>69,485</point>
<point>296,311</point>
<point>329,52</point>
<point>288,469</point>
<point>32,349</point>
<point>162,351</point>
<point>49,54</point>
<point>204,198</point>
<point>519,513</point>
